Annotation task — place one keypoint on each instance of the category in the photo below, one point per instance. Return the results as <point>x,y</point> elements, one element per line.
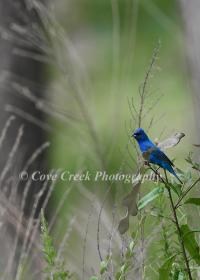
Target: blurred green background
<point>113,42</point>
<point>108,49</point>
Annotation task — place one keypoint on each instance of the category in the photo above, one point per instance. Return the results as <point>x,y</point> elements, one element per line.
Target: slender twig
<point>142,221</point>
<point>158,174</point>
<point>99,221</point>
<point>142,90</point>
<point>185,193</point>
<point>131,108</point>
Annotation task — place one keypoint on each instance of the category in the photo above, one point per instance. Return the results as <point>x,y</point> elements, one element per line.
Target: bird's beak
<point>133,135</point>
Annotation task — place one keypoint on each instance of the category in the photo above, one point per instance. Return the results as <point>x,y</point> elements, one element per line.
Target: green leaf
<point>190,243</point>
<point>131,246</point>
<point>176,188</point>
<point>195,165</point>
<point>48,248</point>
<point>178,275</point>
<point>118,275</point>
<point>124,224</point>
<point>181,276</point>
<point>54,269</point>
<point>103,267</point>
<point>124,268</point>
<point>193,200</point>
<point>149,197</point>
<point>188,175</point>
<point>94,278</point>
<point>165,269</point>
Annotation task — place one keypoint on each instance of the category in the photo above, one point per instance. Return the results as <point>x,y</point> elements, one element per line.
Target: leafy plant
<point>54,269</point>
<point>188,245</point>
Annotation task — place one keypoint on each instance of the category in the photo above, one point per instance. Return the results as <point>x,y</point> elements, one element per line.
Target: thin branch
<point>186,192</point>
<point>142,89</point>
<point>99,221</point>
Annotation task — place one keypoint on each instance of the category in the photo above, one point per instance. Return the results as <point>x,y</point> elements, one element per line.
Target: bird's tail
<point>174,173</point>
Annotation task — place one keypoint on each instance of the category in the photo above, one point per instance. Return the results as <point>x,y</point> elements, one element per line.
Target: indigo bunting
<point>151,153</point>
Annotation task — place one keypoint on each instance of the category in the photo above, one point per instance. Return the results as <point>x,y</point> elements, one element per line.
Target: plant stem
<point>179,234</point>
<point>186,192</point>
<point>142,221</point>
<point>176,222</point>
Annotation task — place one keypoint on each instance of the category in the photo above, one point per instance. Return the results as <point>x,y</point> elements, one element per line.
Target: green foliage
<point>190,243</point>
<point>104,265</point>
<point>150,197</point>
<point>179,275</point>
<point>94,278</point>
<point>193,200</point>
<point>54,269</point>
<point>127,263</point>
<point>195,165</point>
<point>176,188</point>
<point>166,268</point>
<point>48,249</point>
<point>179,246</point>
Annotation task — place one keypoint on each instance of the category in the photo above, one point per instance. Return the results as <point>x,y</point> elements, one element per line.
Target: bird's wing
<point>171,141</point>
<point>148,152</point>
<point>160,156</point>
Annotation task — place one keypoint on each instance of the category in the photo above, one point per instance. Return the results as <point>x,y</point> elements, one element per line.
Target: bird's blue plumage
<point>152,153</point>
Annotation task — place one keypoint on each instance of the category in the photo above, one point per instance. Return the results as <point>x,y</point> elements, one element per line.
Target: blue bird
<point>151,153</point>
